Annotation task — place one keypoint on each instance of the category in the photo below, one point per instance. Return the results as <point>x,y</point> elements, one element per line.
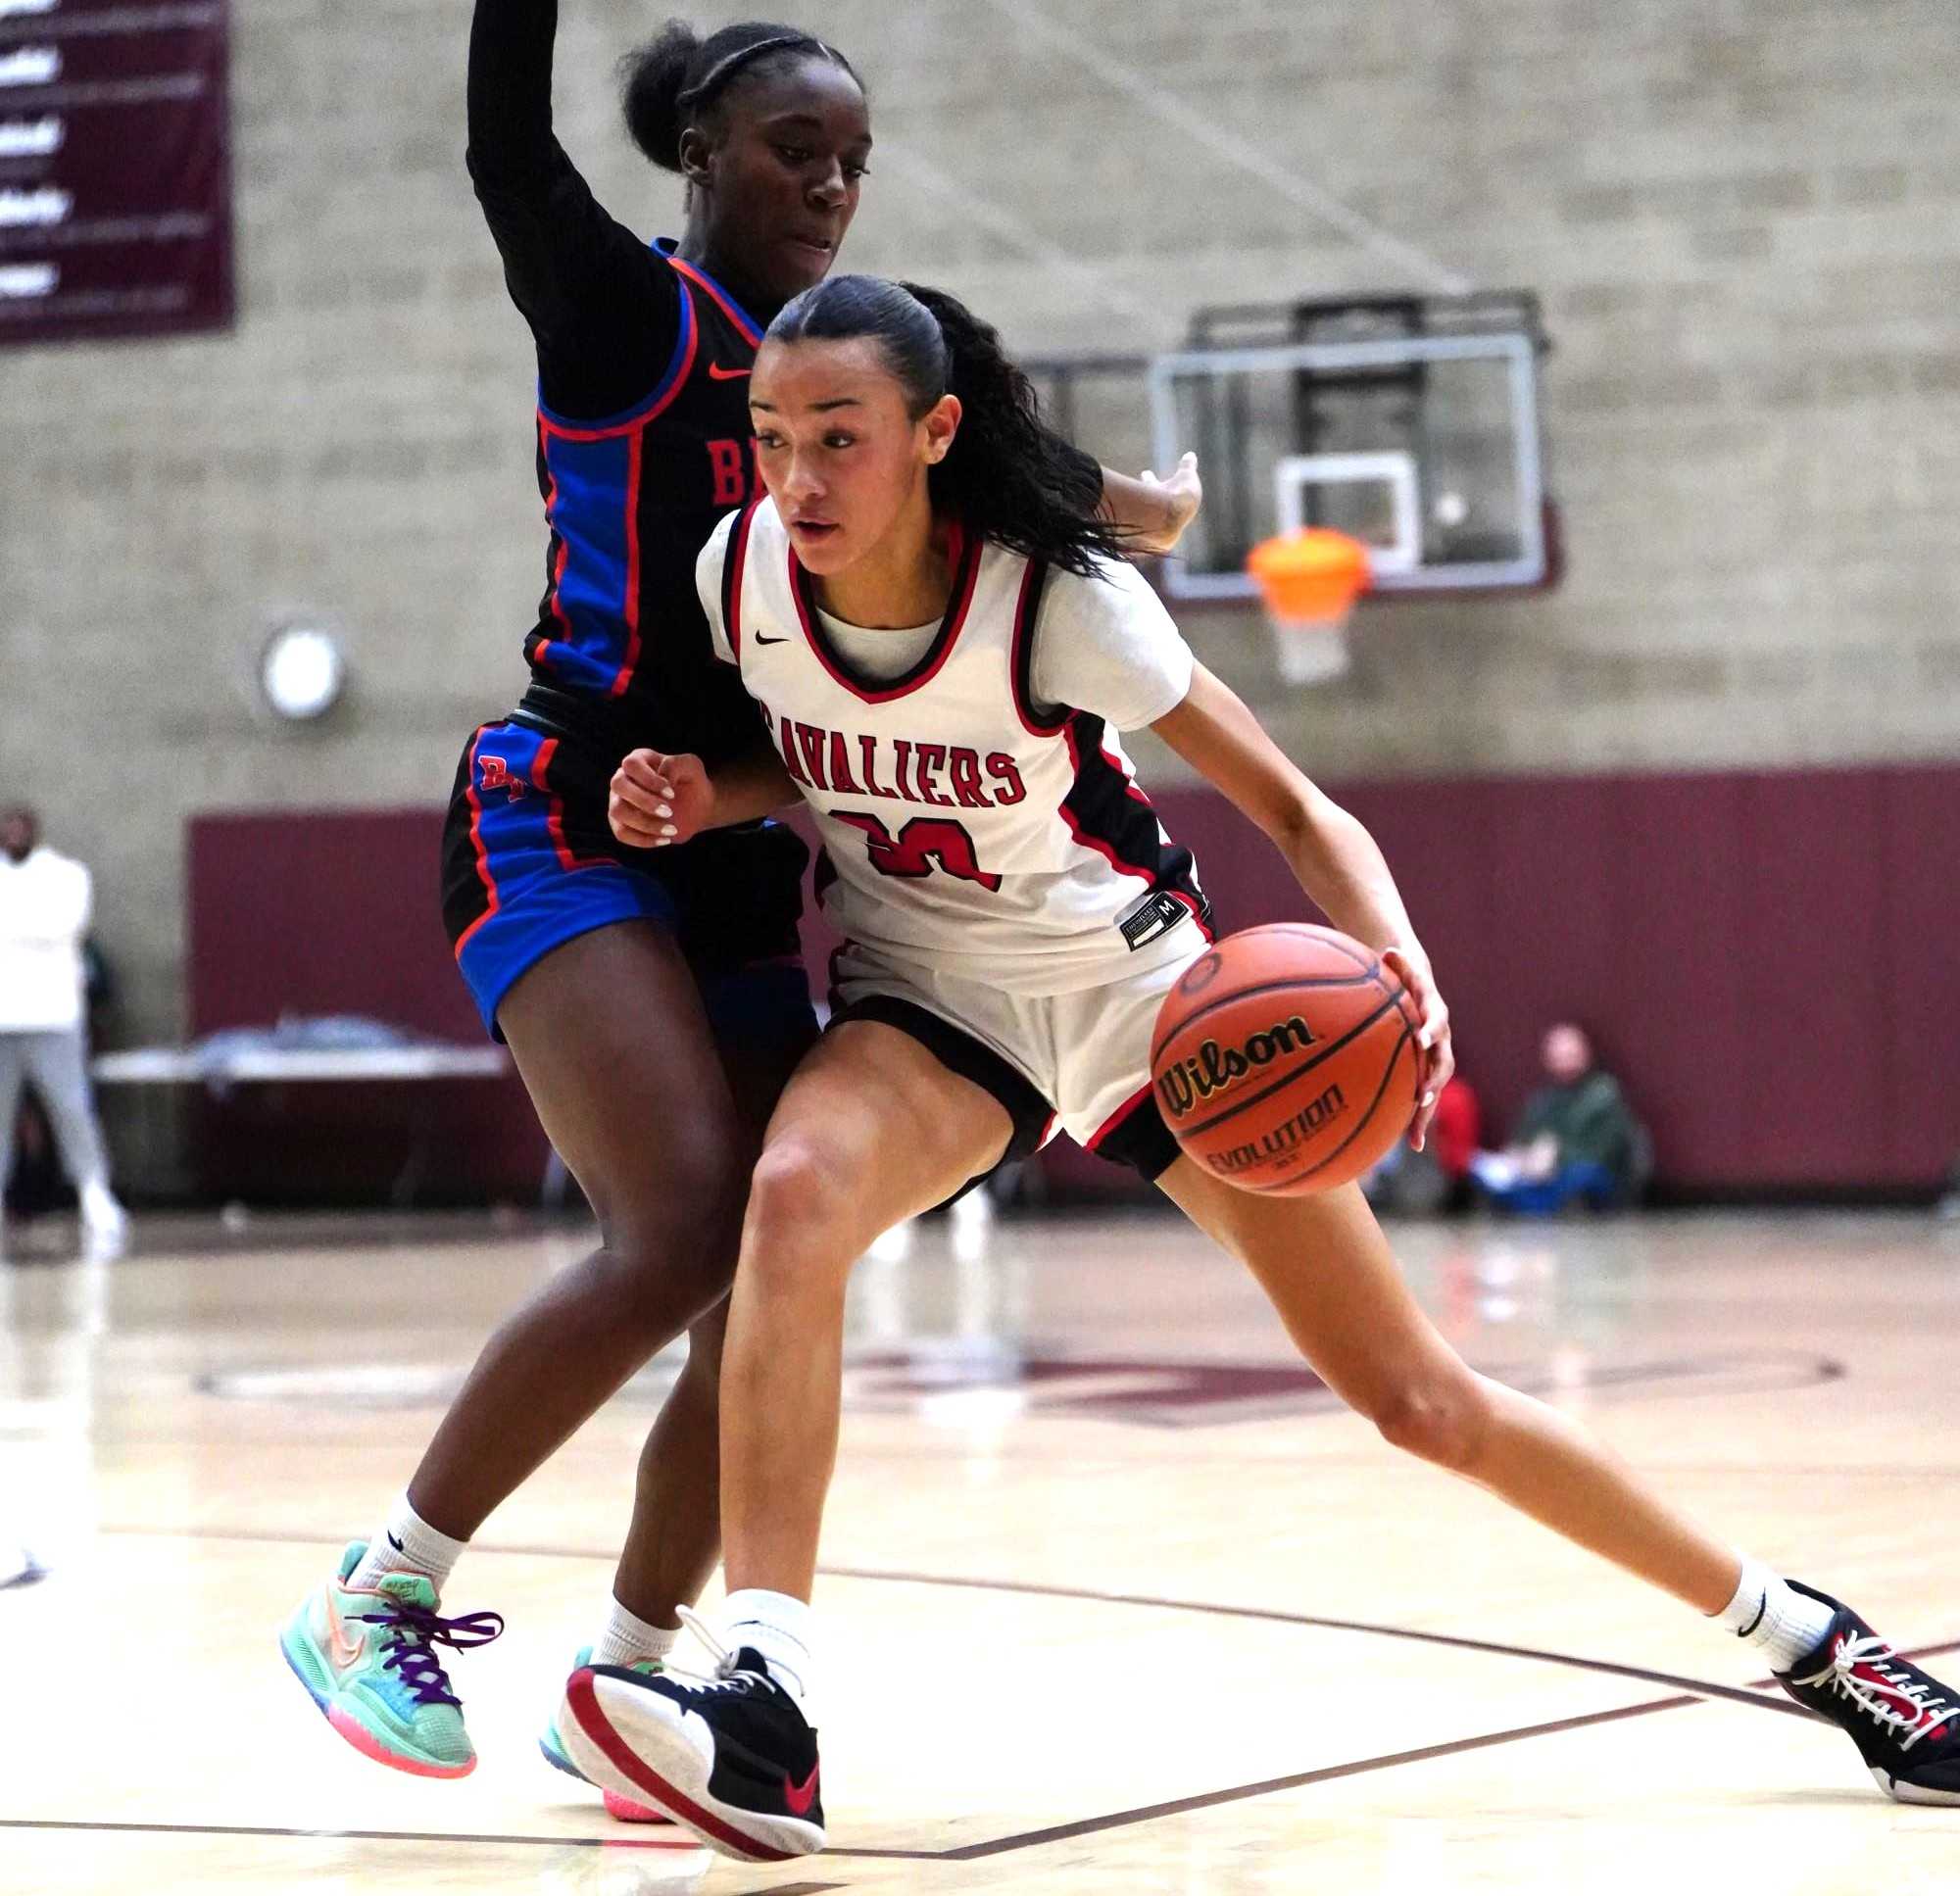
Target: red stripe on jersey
<point>635,454</point>
<point>1131,787</point>
<point>723,303</point>
<point>965,556</point>
<point>1198,914</point>
<point>686,347</point>
<point>1102,848</point>
<point>543,653</point>
<point>483,874</point>
<point>686,367</point>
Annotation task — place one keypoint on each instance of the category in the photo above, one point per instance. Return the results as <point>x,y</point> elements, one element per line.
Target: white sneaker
<point>104,1225</point>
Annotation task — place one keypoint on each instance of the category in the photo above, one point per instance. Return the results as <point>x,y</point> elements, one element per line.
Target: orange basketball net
<point>1309,581</point>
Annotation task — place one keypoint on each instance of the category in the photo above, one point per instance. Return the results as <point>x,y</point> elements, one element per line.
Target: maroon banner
<point>114,169</point>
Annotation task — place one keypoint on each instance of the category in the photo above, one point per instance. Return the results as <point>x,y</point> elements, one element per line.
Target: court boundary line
<point>1695,1692</point>
<point>1700,1688</point>
<point>988,1847</point>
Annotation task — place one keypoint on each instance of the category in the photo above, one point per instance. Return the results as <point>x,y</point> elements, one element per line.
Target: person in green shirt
<point>1577,1140</point>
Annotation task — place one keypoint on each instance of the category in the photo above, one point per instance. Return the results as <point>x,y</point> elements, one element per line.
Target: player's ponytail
<point>1008,476</point>
<point>677,78</point>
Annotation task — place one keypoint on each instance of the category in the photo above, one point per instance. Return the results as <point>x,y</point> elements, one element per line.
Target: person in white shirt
<point>45,900</point>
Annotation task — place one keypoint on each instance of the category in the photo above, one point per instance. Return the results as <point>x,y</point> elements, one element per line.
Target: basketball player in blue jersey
<point>928,616</point>
<point>654,1003</point>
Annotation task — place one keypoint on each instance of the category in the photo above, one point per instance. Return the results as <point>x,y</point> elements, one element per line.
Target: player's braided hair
<point>677,78</point>
<point>1008,475</point>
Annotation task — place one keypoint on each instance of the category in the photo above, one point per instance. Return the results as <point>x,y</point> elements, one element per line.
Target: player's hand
<point>1439,1057</point>
<point>658,800</point>
<point>1180,494</point>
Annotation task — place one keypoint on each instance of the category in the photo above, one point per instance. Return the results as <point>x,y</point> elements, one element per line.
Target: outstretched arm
<point>1152,514</point>
<point>658,800</point>
<point>1336,861</point>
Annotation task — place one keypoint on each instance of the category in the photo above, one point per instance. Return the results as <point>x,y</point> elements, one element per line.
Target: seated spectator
<point>1577,1143</point>
<point>1435,1179</point>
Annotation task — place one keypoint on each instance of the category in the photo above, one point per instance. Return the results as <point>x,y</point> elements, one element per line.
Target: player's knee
<point>675,1230</point>
<point>1439,1419</point>
<point>710,1181</point>
<point>799,1209</point>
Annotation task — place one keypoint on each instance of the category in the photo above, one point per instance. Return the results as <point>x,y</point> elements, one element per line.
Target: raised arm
<point>1333,856</point>
<point>513,149</point>
<point>582,279</point>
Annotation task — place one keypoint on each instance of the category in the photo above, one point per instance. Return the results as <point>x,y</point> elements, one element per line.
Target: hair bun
<point>654,77</point>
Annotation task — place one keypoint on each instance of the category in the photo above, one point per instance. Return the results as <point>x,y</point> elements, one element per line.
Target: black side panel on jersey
<point>1109,815</point>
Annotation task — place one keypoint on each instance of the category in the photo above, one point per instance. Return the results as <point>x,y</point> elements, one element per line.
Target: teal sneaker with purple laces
<point>368,1659</point>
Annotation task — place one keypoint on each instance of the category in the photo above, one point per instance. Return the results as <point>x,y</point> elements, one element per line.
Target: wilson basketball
<point>1286,1059</point>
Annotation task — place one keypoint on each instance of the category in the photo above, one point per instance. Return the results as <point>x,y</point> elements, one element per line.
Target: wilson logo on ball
<point>1212,1068</point>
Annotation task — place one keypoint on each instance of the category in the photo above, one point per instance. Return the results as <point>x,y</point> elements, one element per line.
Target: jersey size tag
<point>1150,916</point>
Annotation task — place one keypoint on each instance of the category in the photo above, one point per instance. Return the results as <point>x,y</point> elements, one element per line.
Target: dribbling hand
<point>658,800</point>
<point>1439,1057</point>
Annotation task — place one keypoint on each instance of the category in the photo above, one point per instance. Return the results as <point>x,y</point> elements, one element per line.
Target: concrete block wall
<point>1745,220</point>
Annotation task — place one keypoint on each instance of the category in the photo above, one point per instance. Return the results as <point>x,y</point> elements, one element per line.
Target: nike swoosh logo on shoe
<point>716,374</point>
<point>801,1797</point>
<point>344,1649</point>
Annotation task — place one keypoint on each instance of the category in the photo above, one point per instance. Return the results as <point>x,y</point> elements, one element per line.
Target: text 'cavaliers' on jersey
<point>964,823</point>
<point>629,499</point>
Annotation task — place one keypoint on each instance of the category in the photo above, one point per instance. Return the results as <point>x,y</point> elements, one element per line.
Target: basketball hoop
<point>1309,581</point>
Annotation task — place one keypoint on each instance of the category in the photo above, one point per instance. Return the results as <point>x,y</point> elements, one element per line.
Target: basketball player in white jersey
<point>942,642</point>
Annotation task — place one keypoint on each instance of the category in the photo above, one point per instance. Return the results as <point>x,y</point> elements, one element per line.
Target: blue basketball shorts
<point>530,863</point>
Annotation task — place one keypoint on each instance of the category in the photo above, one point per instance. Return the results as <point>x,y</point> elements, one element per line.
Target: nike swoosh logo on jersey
<point>760,639</point>
<point>344,1649</point>
<point>716,374</point>
<point>799,1797</point>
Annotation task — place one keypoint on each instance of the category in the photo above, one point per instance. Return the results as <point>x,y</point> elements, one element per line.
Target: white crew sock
<point>406,1545</point>
<point>1772,1615</point>
<point>779,1627</point>
<point>627,1639</point>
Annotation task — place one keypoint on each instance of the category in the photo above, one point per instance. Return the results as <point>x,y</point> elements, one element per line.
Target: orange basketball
<point>1286,1059</point>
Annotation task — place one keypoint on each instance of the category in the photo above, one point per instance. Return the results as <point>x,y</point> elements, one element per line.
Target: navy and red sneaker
<point>1905,1723</point>
<point>731,1757</point>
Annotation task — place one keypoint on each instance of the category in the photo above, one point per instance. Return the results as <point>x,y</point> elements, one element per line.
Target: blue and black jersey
<point>643,432</point>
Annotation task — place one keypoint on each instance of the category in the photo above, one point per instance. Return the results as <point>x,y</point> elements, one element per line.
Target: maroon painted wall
<point>1766,958</point>
<point>329,912</point>
<point>321,913</point>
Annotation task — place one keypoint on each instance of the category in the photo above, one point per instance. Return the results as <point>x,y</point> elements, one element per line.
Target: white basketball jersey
<point>963,824</point>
